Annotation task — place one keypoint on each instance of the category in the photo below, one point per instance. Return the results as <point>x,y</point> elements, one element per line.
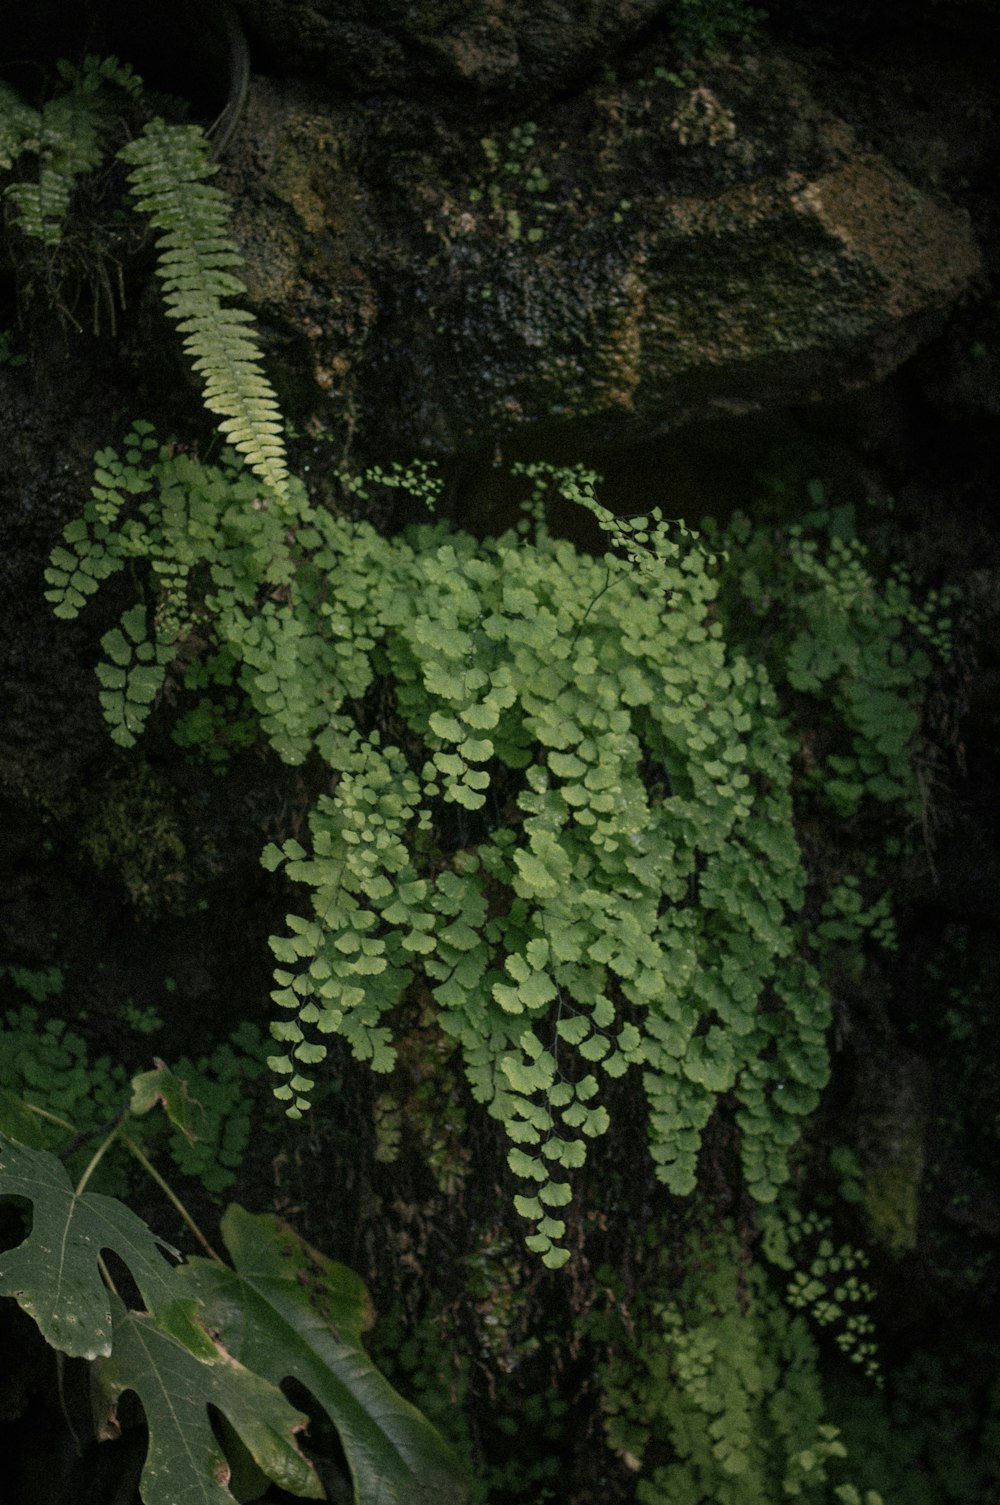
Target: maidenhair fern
<point>714,1394</point>
<point>557,801</point>
<point>826,1281</point>
<point>808,600</point>
<point>46,1063</point>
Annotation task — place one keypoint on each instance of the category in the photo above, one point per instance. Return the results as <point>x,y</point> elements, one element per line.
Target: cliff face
<point>635,251</point>
<point>524,228</point>
<point>478,226</point>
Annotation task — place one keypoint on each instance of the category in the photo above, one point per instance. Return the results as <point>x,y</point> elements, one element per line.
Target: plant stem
<point>106,1275</point>
<point>172,1197</point>
<point>95,1161</point>
<point>97,1157</point>
<point>53,1118</point>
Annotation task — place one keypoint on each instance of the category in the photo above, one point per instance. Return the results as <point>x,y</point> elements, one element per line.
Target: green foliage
<point>704,28</point>
<point>219,725</point>
<point>559,806</point>
<point>222,1086</point>
<point>211,1335</point>
<point>162,1087</point>
<point>175,1387</point>
<point>808,600</point>
<point>66,137</point>
<point>567,809</point>
<point>825,1282</point>
<point>132,676</point>
<point>515,186</point>
<point>850,1173</point>
<point>573,821</point>
<point>285,1311</point>
<point>48,1064</point>
<point>54,1272</point>
<point>141,1021</point>
<point>850,648</point>
<point>190,517</point>
<point>75,571</point>
<point>844,917</point>
<point>39,983</point>
<point>169,170</point>
<point>715,1394</point>
<point>426,1360</point>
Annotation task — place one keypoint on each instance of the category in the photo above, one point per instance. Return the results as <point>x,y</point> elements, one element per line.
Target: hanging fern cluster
<point>859,647</point>
<point>557,800</point>
<point>714,1393</point>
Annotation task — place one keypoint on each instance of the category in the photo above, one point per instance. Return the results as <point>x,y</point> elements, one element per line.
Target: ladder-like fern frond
<point>170,165</point>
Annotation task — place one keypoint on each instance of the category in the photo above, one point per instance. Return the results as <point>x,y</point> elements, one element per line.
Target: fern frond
<point>67,135</point>
<point>20,127</point>
<point>68,145</point>
<point>170,164</point>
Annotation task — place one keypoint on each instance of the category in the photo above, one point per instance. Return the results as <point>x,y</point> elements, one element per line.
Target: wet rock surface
<point>500,48</point>
<point>640,254</point>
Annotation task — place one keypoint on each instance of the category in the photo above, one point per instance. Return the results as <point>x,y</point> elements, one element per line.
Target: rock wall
<point>638,252</point>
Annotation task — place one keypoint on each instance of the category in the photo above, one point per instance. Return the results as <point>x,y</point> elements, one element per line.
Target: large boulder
<point>638,255</point>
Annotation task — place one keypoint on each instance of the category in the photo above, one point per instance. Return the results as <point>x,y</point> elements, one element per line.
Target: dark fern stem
<point>221,131</point>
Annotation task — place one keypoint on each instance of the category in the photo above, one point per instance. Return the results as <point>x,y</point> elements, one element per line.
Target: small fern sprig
<point>19,127</point>
<point>67,135</point>
<point>170,165</point>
